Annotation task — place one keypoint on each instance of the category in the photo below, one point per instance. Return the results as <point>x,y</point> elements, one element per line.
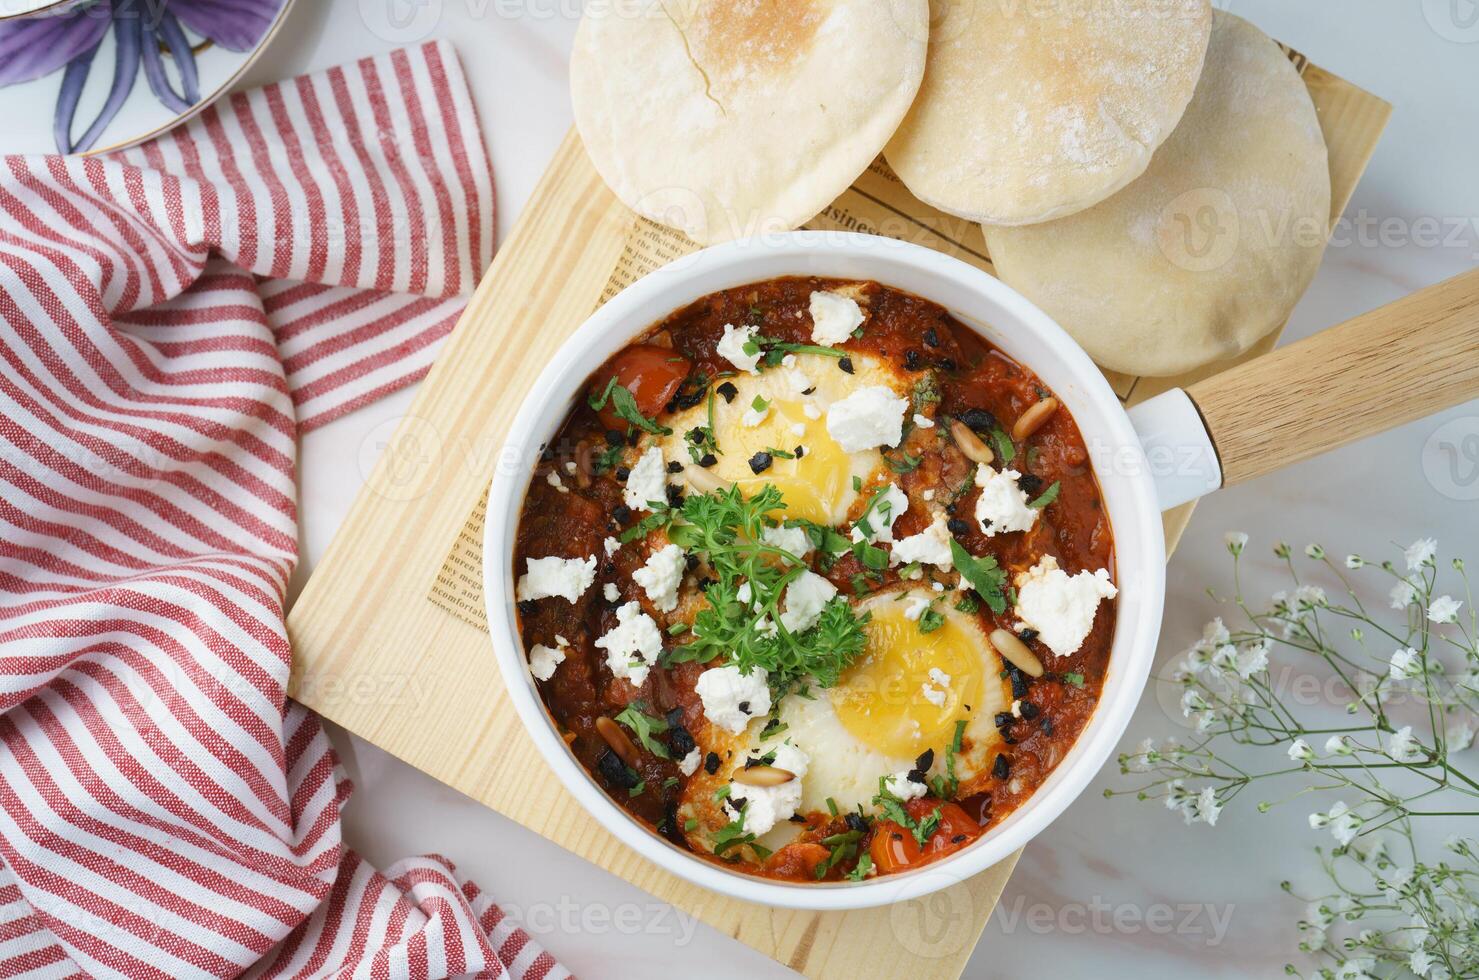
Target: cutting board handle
<point>1404,361</point>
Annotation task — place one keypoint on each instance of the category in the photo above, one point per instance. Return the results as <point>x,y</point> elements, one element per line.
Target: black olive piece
<point>688,399</point>
<point>986,523</point>
<point>744,707</point>
<point>957,525</point>
<point>690,563</point>
<point>946,364</point>
<point>925,760</point>
<point>609,567</point>
<point>680,742</point>
<point>711,763</point>
<point>1008,739</point>
<point>916,776</point>
<point>674,716</point>
<point>634,437</point>
<point>707,459</point>
<point>800,451</point>
<point>527,607</point>
<point>615,772</point>
<point>1027,635</point>
<point>615,437</point>
<point>675,496</point>
<point>1019,683</point>
<point>796,818</point>
<point>978,420</point>
<point>1001,767</point>
<point>770,726</point>
<point>958,839</point>
<point>1003,719</point>
<point>760,462</point>
<point>810,391</point>
<point>622,513</point>
<point>1030,483</point>
<point>1029,710</point>
<point>856,821</point>
<point>622,472</point>
<point>675,467</point>
<point>671,406</point>
<point>911,360</point>
<point>546,454</point>
<point>669,825</point>
<point>728,391</point>
<point>931,338</point>
<point>846,365</point>
<point>949,508</point>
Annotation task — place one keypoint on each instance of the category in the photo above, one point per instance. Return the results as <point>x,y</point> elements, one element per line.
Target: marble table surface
<point>1092,893</point>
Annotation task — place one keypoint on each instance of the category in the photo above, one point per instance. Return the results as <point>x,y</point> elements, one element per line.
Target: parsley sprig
<point>645,727</point>
<point>624,403</point>
<point>984,575</point>
<point>726,530</point>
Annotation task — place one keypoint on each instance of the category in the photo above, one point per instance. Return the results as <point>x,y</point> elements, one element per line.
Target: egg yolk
<point>881,699</point>
<point>813,485</point>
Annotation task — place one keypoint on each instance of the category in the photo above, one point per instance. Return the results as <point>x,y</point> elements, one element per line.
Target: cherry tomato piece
<point>894,848</point>
<point>652,374</point>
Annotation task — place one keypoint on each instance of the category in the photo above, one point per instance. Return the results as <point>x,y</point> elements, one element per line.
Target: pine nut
<point>703,481</point>
<point>970,444</point>
<point>617,739</point>
<point>1032,419</point>
<point>1016,653</point>
<point>763,776</point>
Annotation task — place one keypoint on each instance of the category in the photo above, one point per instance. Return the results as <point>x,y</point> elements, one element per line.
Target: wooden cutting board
<point>389,637</point>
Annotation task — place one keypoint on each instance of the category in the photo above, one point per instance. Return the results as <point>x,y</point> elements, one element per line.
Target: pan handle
<point>1402,362</point>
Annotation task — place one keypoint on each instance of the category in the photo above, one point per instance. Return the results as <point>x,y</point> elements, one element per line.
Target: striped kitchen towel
<point>171,319</point>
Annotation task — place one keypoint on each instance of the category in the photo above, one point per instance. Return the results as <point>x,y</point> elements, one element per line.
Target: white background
<point>1085,891</point>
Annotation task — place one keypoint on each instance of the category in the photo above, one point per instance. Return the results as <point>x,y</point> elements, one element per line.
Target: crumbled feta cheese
<point>867,418</point>
<point>793,540</point>
<point>1002,506</point>
<point>567,578</point>
<point>612,546</point>
<point>798,381</point>
<point>806,597</point>
<point>732,347</point>
<point>900,785</point>
<point>1060,606</point>
<point>570,466</point>
<point>927,495</point>
<point>798,429</point>
<point>611,592</point>
<point>754,416</point>
<point>811,411</point>
<point>1017,708</point>
<point>730,698</point>
<point>661,576</point>
<point>647,482</point>
<point>924,421</point>
<point>789,361</point>
<point>938,586</point>
<point>553,479</point>
<point>935,688</point>
<point>765,806</point>
<point>833,318</point>
<point>543,660</point>
<point>688,765</point>
<point>915,608</point>
<point>880,520</point>
<point>632,646</point>
<point>929,547</point>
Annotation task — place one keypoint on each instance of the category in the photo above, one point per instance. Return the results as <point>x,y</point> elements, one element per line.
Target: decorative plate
<point>70,70</point>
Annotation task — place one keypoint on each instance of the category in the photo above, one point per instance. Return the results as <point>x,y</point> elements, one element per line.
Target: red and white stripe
<point>171,319</point>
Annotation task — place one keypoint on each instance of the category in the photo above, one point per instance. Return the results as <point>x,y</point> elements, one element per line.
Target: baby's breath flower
<point>1356,969</point>
<point>1403,594</point>
<point>1354,561</point>
<point>1281,550</point>
<point>1318,914</point>
<point>1207,808</point>
<point>1402,747</point>
<point>1253,657</point>
<point>1420,962</point>
<point>1444,609</point>
<point>1300,751</point>
<point>1406,664</point>
<point>1236,541</point>
<point>1420,553</point>
<point>1309,597</point>
<point>1314,551</point>
<point>1192,702</point>
<point>1344,823</point>
<point>1339,745</point>
<point>1459,735</point>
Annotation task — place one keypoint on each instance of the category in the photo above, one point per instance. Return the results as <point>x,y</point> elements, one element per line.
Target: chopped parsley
<point>968,603</point>
<point>984,575</point>
<point>726,531</point>
<point>624,403</point>
<point>931,619</point>
<point>946,786</point>
<point>645,727</point>
<point>1048,496</point>
<point>1075,678</point>
<point>865,865</point>
<point>893,809</point>
<point>904,464</point>
<point>1004,448</point>
<point>840,847</point>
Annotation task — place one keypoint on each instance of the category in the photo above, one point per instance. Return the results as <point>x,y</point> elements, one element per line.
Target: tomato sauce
<point>575,502</point>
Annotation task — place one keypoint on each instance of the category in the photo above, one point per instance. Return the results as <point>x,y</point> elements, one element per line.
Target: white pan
<point>1405,361</point>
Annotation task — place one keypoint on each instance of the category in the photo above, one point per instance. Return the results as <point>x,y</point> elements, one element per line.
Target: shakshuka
<point>815,582</point>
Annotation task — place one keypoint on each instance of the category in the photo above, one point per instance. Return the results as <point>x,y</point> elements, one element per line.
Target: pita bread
<point>1035,109</point>
<point>726,118</point>
<point>1213,246</point>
